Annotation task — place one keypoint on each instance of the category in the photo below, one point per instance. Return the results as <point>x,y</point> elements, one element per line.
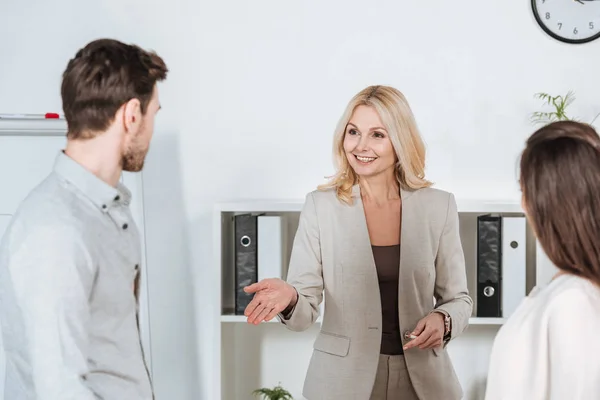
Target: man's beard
<point>133,160</point>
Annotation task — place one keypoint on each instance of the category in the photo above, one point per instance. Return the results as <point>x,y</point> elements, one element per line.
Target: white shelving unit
<point>248,357</point>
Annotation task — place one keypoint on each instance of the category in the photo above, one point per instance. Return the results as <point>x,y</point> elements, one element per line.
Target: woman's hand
<point>272,296</point>
<point>429,332</point>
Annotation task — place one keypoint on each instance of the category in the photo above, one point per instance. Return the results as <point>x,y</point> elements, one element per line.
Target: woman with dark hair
<point>549,347</point>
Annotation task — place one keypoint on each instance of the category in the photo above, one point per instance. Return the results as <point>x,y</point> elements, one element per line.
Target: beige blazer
<point>332,255</point>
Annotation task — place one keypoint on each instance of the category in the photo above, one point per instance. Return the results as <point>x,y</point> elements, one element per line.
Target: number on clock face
<point>570,21</point>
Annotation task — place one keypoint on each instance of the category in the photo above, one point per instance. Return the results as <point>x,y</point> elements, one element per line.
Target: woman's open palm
<point>271,296</point>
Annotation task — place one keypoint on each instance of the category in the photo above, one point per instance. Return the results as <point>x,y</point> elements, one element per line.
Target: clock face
<point>570,21</point>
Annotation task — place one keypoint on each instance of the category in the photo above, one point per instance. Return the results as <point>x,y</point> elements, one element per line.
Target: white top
<point>549,349</point>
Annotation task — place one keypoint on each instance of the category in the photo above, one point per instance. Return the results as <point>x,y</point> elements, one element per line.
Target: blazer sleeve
<point>451,292</point>
<point>305,270</point>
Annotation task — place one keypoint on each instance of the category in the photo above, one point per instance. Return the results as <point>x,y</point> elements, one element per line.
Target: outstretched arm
<point>305,272</point>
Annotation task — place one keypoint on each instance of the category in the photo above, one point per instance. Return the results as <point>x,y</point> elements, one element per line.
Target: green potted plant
<point>559,106</point>
<point>276,393</point>
<point>558,111</point>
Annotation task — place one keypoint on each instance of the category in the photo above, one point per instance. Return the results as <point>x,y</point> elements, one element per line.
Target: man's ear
<point>132,116</point>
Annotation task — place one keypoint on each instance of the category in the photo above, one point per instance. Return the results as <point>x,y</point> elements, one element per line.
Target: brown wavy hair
<point>560,180</point>
<point>103,76</point>
<point>399,121</point>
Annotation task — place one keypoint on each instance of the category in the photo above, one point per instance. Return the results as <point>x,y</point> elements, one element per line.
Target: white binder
<point>270,247</point>
<point>514,262</point>
<point>544,268</point>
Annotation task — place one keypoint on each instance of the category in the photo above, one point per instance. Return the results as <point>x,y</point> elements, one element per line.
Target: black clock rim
<point>554,35</point>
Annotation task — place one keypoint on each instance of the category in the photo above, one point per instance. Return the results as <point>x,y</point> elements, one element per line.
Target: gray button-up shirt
<point>69,267</point>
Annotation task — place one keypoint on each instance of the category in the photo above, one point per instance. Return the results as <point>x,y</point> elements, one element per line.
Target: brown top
<point>387,261</point>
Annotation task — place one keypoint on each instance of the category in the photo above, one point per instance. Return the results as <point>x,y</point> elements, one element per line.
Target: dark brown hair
<point>103,76</point>
<point>560,179</point>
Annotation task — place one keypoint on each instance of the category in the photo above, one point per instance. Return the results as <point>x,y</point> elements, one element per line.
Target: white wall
<point>248,77</point>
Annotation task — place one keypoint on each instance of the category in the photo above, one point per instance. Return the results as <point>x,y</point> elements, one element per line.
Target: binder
<point>246,262</point>
<point>489,266</point>
<point>270,247</point>
<point>544,268</point>
<point>514,262</point>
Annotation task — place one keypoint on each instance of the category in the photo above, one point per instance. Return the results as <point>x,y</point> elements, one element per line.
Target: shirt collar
<point>103,195</point>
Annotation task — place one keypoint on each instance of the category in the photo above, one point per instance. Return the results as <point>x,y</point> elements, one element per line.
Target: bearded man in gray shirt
<point>69,260</point>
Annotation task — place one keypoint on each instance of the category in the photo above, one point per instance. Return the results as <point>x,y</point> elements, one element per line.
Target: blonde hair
<point>399,121</point>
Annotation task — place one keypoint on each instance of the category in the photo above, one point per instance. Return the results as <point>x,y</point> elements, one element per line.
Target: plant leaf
<point>559,104</point>
<point>277,393</point>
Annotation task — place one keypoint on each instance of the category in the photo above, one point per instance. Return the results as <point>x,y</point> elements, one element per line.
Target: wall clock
<point>570,21</point>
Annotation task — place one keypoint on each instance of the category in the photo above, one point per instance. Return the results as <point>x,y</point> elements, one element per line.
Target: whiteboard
<point>28,149</point>
<point>4,220</point>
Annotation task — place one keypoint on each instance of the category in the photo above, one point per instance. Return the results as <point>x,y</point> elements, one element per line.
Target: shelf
<point>241,318</point>
<point>294,205</point>
<point>260,206</point>
<point>486,321</point>
<point>488,206</point>
<point>472,320</point>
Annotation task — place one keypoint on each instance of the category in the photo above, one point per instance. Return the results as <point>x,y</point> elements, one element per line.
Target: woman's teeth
<point>365,159</point>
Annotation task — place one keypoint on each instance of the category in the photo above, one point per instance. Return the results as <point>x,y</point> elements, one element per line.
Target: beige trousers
<point>392,381</point>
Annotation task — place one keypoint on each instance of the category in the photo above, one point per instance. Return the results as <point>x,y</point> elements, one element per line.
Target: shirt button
<point>117,198</point>
<point>125,226</point>
<point>104,206</point>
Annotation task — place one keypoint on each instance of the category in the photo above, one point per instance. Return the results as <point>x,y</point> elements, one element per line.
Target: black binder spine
<point>246,260</point>
<point>489,266</point>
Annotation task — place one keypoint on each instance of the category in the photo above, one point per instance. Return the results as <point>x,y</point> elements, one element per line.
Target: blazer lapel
<point>412,256</point>
<point>361,252</point>
<point>405,228</point>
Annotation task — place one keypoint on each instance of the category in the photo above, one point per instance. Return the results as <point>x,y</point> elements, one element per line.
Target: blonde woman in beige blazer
<point>383,249</point>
